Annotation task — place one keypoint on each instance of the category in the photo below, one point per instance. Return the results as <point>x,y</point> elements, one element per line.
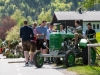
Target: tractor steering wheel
<point>69,30</point>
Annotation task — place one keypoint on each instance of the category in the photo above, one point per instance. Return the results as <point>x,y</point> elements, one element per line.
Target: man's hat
<point>50,23</point>
<point>89,24</point>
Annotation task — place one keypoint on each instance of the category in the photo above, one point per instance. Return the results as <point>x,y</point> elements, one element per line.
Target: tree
<point>89,3</point>
<point>60,5</point>
<point>44,16</point>
<point>29,18</point>
<point>13,34</point>
<point>18,16</point>
<point>6,24</point>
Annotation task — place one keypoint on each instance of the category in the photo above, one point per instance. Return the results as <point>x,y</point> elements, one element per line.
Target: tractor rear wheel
<point>69,58</point>
<point>38,60</point>
<point>85,56</point>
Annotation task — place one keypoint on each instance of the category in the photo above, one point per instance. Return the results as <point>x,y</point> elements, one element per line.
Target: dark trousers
<point>48,53</point>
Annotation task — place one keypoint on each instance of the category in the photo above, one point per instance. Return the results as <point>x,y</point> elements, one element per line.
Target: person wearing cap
<point>41,33</point>
<point>90,33</point>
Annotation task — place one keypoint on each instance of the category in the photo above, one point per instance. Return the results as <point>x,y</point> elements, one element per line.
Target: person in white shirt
<point>61,29</point>
<point>49,31</point>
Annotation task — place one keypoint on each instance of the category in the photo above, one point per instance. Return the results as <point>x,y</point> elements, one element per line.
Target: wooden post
<point>89,55</point>
<point>89,51</point>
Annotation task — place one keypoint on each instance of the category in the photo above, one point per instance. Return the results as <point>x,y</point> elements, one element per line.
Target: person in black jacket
<point>90,33</point>
<point>26,33</point>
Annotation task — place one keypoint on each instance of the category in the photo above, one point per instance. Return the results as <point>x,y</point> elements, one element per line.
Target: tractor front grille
<point>54,43</point>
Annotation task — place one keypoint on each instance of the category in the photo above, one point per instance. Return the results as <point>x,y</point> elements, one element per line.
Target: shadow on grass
<point>82,69</point>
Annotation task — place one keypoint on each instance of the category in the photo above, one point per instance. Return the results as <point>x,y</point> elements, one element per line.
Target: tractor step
<point>48,55</point>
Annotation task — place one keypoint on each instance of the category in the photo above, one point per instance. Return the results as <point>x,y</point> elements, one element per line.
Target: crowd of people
<point>33,37</point>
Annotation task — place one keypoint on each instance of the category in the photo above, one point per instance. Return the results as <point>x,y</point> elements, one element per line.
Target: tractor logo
<point>63,36</point>
<point>52,46</point>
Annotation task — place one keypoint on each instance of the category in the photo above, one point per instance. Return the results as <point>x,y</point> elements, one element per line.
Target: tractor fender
<point>83,43</point>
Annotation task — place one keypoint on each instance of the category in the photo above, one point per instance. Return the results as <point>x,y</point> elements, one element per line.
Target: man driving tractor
<point>77,31</point>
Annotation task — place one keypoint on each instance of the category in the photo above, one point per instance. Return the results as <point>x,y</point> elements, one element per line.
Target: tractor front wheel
<point>38,60</point>
<point>69,58</point>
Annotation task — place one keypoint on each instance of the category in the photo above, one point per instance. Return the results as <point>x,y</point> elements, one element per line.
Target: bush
<point>13,44</point>
<point>19,55</point>
<point>0,42</point>
<point>10,55</point>
<point>98,36</point>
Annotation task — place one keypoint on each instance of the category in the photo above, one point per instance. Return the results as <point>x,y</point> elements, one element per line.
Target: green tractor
<point>61,45</point>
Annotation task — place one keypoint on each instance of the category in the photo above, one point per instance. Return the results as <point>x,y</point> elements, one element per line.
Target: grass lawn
<point>85,70</point>
<point>80,69</point>
<point>98,48</point>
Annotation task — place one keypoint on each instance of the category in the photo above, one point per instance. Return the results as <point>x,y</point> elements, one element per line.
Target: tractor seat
<point>74,39</point>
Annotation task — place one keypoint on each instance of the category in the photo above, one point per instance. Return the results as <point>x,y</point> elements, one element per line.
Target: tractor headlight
<point>62,44</point>
<point>44,43</point>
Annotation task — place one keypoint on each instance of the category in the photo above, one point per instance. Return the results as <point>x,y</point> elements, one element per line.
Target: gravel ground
<point>62,70</point>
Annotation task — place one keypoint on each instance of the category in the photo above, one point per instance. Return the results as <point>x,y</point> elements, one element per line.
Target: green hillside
<point>34,7</point>
<point>14,12</point>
